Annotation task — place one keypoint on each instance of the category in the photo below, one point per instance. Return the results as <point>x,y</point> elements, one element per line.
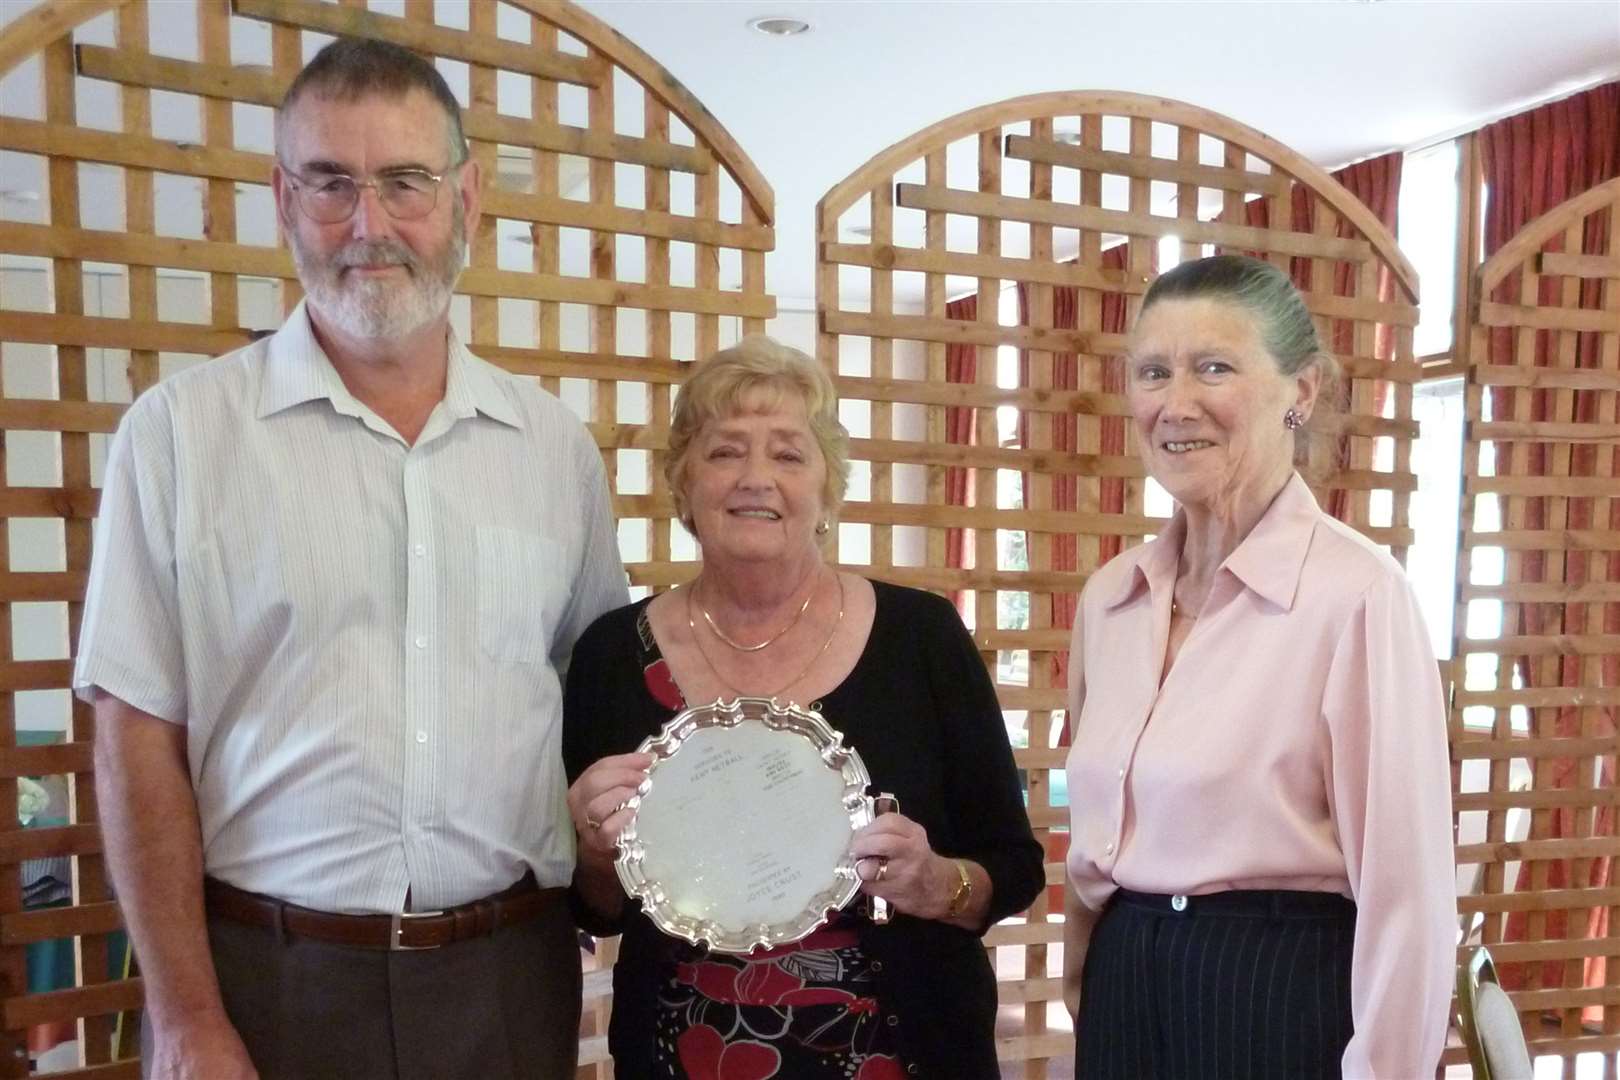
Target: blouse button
<point>877,967</point>
<point>893,1021</point>
<point>815,706</point>
<point>1178,902</point>
<point>911,1070</point>
<point>1110,848</point>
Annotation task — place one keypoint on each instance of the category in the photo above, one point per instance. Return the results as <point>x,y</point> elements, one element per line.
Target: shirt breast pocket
<point>520,594</point>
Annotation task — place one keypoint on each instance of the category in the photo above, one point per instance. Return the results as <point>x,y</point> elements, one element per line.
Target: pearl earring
<point>1292,420</point>
<point>821,528</point>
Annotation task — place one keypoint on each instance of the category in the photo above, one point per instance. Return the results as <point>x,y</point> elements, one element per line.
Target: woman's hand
<point>895,862</point>
<point>596,802</point>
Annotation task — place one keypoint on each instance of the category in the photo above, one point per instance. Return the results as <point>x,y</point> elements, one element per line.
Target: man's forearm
<point>153,845</point>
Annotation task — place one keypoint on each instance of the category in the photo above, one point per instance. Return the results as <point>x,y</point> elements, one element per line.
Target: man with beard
<point>338,574</point>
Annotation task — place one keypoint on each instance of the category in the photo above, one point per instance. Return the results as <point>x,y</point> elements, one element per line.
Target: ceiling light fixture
<point>778,25</point>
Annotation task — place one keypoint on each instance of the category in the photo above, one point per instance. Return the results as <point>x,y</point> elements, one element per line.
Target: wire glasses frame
<point>406,194</point>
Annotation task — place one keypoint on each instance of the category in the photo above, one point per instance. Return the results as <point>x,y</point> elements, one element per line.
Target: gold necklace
<point>739,646</point>
<point>825,645</point>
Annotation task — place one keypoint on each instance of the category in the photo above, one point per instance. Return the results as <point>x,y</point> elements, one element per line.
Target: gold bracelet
<point>964,891</point>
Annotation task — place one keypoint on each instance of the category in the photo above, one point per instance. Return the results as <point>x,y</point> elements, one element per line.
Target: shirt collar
<point>297,370</point>
<point>1268,561</point>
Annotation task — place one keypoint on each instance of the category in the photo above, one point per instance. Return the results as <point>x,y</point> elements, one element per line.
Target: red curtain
<point>961,366</point>
<point>1065,428</point>
<point>1531,163</point>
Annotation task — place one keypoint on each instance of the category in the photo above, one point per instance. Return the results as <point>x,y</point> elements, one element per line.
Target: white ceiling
<point>1336,80</point>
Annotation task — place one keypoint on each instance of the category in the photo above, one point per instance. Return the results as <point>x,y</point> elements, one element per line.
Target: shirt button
<point>421,736</point>
<point>421,643</point>
<point>1178,902</point>
<point>419,550</point>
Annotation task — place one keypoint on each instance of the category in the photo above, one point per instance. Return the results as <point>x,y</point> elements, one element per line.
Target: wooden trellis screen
<point>1533,725</point>
<point>1034,191</point>
<point>624,232</point>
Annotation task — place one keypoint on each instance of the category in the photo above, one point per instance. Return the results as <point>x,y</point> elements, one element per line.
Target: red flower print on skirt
<point>756,984</point>
<point>705,1056</point>
<point>881,1067</point>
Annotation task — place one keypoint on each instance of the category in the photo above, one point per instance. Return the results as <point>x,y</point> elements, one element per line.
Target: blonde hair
<point>758,373</point>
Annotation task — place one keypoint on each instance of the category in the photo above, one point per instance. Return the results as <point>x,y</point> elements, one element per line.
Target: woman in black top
<point>757,468</point>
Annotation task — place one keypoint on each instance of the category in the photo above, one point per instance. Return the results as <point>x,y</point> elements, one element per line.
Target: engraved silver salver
<point>740,833</point>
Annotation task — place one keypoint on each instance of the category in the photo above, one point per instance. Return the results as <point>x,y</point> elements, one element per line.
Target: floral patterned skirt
<point>799,1012</point>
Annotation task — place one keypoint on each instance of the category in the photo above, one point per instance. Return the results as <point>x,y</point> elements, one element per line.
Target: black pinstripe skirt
<point>1244,984</point>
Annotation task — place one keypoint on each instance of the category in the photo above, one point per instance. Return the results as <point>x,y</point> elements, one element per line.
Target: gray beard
<point>381,310</point>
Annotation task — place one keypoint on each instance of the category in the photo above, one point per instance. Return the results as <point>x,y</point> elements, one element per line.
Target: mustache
<point>376,253</point>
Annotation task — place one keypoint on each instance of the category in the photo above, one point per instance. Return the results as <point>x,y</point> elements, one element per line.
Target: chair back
<point>1490,1025</point>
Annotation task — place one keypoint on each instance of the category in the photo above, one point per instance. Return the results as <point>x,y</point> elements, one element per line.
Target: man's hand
<point>200,1050</point>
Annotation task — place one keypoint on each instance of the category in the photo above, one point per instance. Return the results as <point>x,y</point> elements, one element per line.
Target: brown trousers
<point>504,1007</point>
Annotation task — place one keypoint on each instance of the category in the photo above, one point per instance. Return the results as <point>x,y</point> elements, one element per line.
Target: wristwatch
<point>964,891</point>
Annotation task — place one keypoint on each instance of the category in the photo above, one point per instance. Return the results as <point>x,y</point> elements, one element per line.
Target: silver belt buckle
<point>396,928</point>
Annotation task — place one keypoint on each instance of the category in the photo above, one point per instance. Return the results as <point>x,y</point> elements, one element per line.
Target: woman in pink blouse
<point>1260,863</point>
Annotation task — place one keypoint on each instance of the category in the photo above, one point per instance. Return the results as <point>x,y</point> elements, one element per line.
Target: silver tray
<point>739,836</point>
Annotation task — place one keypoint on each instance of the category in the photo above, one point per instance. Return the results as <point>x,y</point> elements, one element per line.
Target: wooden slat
<point>51,759</point>
<point>1079,402</point>
<point>103,333</point>
<point>35,674</point>
<point>608,293</point>
<point>1549,799</point>
<point>134,151</point>
<point>1576,848</point>
<point>53,1006</point>
<point>1549,539</point>
<point>22,414</point>
<point>1024,148</point>
<point>1539,697</point>
<point>1492,749</point>
<point>1529,645</point>
<point>61,242</point>
<point>1585,266</point>
<point>47,924</point>
<point>41,586</point>
<point>1547,318</point>
<point>77,504</point>
<point>555,210</point>
<point>961,332</point>
<point>49,843</point>
<point>1544,900</point>
<point>1549,378</point>
<point>1547,431</point>
<point>1008,208</point>
<point>259,86</point>
<point>1071,274</point>
<point>442,41</point>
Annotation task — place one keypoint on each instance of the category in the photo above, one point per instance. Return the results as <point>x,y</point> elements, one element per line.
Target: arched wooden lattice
<point>625,232</point>
<point>1533,722</point>
<point>1068,196</point>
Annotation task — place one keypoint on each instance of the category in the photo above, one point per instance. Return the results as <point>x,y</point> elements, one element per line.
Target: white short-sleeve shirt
<point>364,639</point>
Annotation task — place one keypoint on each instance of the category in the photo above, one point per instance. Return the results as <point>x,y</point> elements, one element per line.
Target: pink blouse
<point>1298,742</point>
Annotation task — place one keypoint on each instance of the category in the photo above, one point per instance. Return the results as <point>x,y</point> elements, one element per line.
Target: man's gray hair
<point>351,68</point>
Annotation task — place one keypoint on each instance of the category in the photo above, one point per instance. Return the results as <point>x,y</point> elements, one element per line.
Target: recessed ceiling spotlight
<point>778,25</point>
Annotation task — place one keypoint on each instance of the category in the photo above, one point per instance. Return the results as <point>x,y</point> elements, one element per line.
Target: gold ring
<point>592,822</point>
<point>883,868</point>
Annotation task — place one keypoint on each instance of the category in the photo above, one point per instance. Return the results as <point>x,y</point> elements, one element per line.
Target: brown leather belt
<point>409,930</point>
